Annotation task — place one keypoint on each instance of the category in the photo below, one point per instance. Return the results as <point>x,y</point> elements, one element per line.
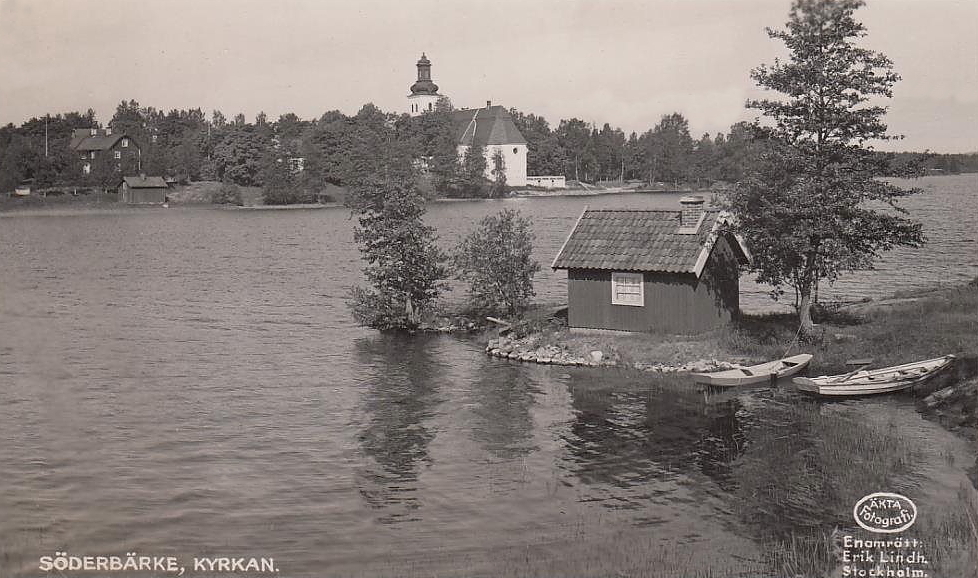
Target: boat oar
<point>851,373</point>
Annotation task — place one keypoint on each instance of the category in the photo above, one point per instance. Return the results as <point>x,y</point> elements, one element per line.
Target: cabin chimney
<point>488,103</point>
<point>691,213</point>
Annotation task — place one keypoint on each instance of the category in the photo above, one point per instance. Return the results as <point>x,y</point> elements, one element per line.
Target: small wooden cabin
<point>652,270</point>
<point>143,190</point>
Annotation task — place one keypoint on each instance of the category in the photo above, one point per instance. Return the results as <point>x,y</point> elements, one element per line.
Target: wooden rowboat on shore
<point>874,381</point>
<point>762,373</point>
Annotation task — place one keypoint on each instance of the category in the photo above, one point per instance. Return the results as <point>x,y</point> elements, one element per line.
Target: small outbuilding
<point>652,270</point>
<point>143,190</point>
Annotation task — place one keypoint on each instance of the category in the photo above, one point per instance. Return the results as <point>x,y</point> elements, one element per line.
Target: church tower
<point>424,92</point>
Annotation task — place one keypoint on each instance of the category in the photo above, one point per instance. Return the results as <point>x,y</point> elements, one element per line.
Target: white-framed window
<point>627,289</point>
<point>86,168</point>
<point>124,142</point>
<point>117,154</point>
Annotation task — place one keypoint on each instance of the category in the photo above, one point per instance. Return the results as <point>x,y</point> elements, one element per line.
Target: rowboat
<point>762,373</point>
<point>873,381</point>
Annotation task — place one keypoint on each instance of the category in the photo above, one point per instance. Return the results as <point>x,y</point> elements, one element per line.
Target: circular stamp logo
<point>885,513</point>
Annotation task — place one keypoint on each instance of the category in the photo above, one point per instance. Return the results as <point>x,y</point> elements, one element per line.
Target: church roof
<point>492,125</point>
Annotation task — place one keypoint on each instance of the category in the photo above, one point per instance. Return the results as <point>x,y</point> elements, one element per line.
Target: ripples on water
<point>190,382</point>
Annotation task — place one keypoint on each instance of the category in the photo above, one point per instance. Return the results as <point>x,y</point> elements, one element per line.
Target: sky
<point>622,62</point>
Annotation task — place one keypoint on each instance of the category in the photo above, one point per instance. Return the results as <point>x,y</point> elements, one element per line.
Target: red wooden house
<point>102,145</point>
<point>652,270</point>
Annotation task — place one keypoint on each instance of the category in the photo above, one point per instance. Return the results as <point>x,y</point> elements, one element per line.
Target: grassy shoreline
<point>913,326</point>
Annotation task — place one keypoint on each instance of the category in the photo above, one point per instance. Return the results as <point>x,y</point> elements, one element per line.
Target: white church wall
<point>514,157</point>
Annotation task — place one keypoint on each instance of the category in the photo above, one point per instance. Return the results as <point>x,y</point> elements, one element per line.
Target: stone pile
<point>528,350</point>
<point>522,350</point>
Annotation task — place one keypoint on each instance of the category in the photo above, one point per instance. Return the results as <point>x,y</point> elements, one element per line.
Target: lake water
<point>189,382</point>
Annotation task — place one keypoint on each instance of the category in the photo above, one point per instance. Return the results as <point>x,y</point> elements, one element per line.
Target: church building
<point>491,127</point>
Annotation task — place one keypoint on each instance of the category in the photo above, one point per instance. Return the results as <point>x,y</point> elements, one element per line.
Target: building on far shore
<point>96,143</point>
<point>547,181</point>
<point>143,190</point>
<point>652,270</point>
<point>23,189</point>
<point>493,129</point>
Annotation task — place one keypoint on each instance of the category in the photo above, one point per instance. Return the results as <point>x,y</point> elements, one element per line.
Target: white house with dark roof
<point>493,128</point>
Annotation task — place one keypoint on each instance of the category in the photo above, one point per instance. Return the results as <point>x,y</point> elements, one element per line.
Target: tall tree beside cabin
<point>803,207</point>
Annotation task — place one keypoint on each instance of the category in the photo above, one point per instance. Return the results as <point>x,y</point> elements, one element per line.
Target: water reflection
<point>633,446</point>
<point>400,376</point>
<point>502,397</point>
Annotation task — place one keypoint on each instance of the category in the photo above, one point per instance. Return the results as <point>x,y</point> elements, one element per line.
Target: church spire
<point>424,93</point>
<point>424,85</point>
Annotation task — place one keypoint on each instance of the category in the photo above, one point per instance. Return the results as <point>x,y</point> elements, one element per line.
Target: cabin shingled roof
<point>492,126</point>
<point>640,240</point>
<point>143,182</point>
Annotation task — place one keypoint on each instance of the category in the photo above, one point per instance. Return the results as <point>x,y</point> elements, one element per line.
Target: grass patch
<point>800,475</point>
<point>202,192</point>
<point>951,536</point>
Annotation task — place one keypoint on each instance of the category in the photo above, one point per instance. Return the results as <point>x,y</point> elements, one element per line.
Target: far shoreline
<point>66,205</point>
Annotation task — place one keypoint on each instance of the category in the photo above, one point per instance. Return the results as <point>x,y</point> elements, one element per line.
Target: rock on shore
<point>955,407</point>
<point>528,350</point>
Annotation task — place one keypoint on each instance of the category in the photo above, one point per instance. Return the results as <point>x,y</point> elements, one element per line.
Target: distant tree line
<point>337,149</point>
<point>38,151</point>
<point>666,153</point>
<point>935,163</point>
